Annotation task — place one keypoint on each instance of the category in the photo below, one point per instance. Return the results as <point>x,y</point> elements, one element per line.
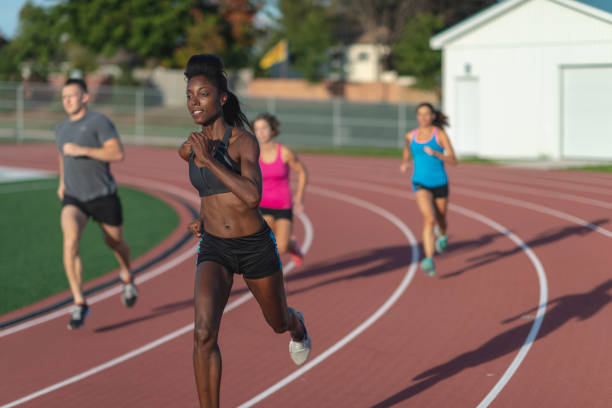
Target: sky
<point>9,14</point>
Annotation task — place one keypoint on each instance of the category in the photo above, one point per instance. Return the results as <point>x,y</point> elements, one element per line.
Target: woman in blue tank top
<point>429,147</point>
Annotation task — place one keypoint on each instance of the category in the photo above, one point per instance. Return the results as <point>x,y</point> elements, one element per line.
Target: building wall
<point>517,61</point>
<point>363,62</point>
<point>364,92</point>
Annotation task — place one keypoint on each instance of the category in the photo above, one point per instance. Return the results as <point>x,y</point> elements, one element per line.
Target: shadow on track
<point>157,311</point>
<point>371,262</point>
<point>544,238</point>
<point>580,306</point>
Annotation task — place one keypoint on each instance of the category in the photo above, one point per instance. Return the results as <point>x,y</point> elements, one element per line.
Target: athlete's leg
<point>73,222</point>
<point>441,205</point>
<point>424,199</point>
<point>282,232</point>
<point>113,236</point>
<point>270,294</point>
<point>212,289</point>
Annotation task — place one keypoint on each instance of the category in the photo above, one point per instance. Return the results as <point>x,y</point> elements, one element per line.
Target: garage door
<point>587,112</point>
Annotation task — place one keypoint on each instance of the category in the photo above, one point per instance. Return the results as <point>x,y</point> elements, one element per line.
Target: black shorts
<point>438,192</point>
<point>278,213</point>
<point>106,210</point>
<point>254,256</point>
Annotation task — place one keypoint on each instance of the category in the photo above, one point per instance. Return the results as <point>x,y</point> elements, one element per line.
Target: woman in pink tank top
<point>276,204</point>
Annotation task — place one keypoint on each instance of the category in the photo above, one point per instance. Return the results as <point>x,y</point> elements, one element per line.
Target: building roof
<point>601,9</point>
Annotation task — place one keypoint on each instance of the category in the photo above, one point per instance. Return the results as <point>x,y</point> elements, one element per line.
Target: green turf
<point>31,239</point>
<point>604,168</point>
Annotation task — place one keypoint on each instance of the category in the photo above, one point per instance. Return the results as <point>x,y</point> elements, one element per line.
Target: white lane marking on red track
<point>140,182</point>
<point>409,275</point>
<point>469,213</point>
<point>539,192</point>
<point>104,294</point>
<point>308,238</point>
<point>517,203</point>
<point>501,184</point>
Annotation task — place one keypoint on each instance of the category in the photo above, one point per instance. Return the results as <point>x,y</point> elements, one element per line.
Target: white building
<point>530,78</point>
<point>363,62</point>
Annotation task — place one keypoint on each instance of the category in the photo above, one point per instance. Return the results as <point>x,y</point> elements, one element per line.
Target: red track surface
<point>446,341</point>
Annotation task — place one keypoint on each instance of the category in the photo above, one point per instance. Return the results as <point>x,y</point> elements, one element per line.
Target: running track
<point>384,334</point>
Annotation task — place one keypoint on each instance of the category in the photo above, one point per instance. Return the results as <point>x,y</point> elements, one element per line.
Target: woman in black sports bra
<point>224,167</point>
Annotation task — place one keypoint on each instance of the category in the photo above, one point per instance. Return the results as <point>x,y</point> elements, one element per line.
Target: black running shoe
<point>79,312</point>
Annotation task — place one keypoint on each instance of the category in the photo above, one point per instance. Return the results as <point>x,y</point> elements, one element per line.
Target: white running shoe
<point>300,350</point>
<point>129,295</point>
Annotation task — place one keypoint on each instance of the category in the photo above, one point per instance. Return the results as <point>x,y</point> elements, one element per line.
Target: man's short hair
<point>77,81</point>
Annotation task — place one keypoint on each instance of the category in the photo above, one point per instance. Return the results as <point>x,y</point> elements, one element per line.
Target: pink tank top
<point>276,192</point>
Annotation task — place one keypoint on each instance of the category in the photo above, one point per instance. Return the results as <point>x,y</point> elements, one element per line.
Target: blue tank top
<point>428,170</point>
<point>205,180</point>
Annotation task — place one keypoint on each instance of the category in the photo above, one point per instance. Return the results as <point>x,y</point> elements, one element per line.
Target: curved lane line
<point>139,182</point>
<point>309,236</point>
<point>543,297</point>
<point>409,275</point>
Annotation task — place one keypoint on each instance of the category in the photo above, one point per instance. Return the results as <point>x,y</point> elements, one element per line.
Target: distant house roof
<point>601,9</point>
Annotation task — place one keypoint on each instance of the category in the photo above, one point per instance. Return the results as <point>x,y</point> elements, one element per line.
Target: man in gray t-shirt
<point>87,143</point>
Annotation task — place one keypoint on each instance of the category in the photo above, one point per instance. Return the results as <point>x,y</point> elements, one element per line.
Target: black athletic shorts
<point>254,256</point>
<point>277,214</point>
<point>438,192</point>
<point>106,210</point>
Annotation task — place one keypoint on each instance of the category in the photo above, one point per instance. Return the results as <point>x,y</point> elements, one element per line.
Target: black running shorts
<point>105,210</point>
<point>253,256</point>
<point>437,192</point>
<point>286,214</point>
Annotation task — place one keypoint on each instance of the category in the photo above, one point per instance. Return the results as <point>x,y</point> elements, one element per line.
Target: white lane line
<point>409,275</point>
<point>309,236</point>
<point>539,192</point>
<point>543,298</point>
<point>102,295</point>
<point>508,201</point>
<point>141,182</point>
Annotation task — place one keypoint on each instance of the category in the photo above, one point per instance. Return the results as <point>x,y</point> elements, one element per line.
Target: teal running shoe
<point>441,244</point>
<point>427,266</point>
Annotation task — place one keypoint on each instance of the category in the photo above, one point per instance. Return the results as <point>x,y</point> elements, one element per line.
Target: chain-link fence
<point>30,112</point>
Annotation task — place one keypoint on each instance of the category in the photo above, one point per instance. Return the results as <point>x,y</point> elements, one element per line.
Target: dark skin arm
<point>185,150</point>
<point>246,186</point>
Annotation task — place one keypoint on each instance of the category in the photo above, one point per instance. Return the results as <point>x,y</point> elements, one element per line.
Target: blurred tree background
<point>74,34</point>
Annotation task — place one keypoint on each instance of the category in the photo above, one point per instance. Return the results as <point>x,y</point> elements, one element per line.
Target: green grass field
<point>604,168</point>
<point>31,239</point>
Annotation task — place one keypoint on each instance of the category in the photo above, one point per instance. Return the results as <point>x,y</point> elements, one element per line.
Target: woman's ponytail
<point>232,113</point>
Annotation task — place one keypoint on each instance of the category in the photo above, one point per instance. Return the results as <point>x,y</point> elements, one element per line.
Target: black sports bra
<point>203,179</point>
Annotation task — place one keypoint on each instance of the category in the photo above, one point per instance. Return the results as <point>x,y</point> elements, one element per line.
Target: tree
<point>224,28</point>
<point>38,40</point>
<point>133,31</point>
<point>306,25</point>
<point>383,20</point>
<point>412,55</point>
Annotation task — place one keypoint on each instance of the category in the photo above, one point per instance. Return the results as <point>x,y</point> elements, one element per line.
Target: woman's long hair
<point>210,66</point>
<point>440,119</point>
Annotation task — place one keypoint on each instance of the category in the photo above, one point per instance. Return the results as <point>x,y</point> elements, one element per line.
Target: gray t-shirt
<point>86,178</point>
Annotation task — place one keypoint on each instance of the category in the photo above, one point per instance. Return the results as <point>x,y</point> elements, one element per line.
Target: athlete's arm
<point>111,151</point>
<point>185,150</point>
<point>296,165</point>
<point>448,156</point>
<point>61,187</point>
<point>247,185</point>
<point>406,154</point>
